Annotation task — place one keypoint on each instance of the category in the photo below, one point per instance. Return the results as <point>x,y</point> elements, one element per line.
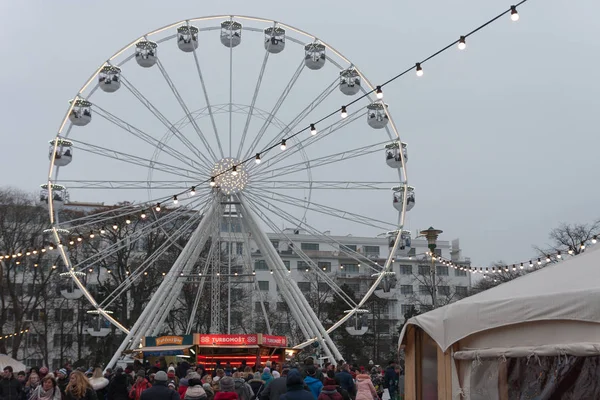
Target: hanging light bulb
<point>212,181</point>
<point>50,247</point>
<point>143,214</point>
<point>283,145</point>
<point>313,129</point>
<point>344,113</point>
<point>514,15</point>
<point>115,227</point>
<point>128,220</point>
<point>271,272</point>
<point>92,235</point>
<point>594,239</point>
<point>530,264</point>
<point>558,255</point>
<point>79,239</point>
<point>582,246</point>
<point>522,266</point>
<point>379,92</point>
<point>157,208</point>
<point>43,250</point>
<point>257,158</point>
<point>419,69</point>
<point>462,43</point>
<point>539,262</point>
<point>514,268</point>
<point>193,191</point>
<point>234,170</point>
<point>570,250</point>
<point>548,259</point>
<point>102,230</point>
<point>175,201</point>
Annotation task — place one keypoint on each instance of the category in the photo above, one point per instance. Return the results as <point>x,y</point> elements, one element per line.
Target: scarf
<point>42,394</point>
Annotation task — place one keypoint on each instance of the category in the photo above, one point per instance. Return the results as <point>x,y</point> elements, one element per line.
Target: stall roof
<point>568,290</point>
<point>164,350</point>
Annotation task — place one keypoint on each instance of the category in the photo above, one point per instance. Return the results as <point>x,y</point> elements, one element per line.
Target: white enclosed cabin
<point>358,324</point>
<point>109,78</point>
<point>388,283</point>
<point>274,39</point>
<point>81,113</point>
<point>231,33</point>
<point>314,55</point>
<point>349,81</point>
<point>405,242</point>
<point>63,236</point>
<point>393,156</point>
<point>97,325</point>
<point>376,115</point>
<point>67,286</point>
<point>146,53</point>
<point>63,155</point>
<point>187,38</point>
<point>59,195</point>
<point>399,197</point>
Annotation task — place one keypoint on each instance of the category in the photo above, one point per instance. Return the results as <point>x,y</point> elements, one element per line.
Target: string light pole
<point>431,235</point>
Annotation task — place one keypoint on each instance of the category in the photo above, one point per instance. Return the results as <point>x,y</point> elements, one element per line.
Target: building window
<point>63,315</point>
<point>405,269</point>
<point>423,289</point>
<point>406,289</point>
<point>351,247</point>
<point>442,270</point>
<point>282,306</point>
<point>275,244</point>
<point>304,286</point>
<point>258,308</point>
<point>351,268</point>
<point>461,290</point>
<point>325,266</point>
<point>444,290</point>
<point>371,250</point>
<point>458,272</point>
<point>260,265</point>
<point>424,269</point>
<point>406,308</point>
<point>302,265</point>
<point>309,246</point>
<point>263,285</point>
<point>287,264</point>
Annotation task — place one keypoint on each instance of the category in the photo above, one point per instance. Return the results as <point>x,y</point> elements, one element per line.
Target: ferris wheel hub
<point>230,175</point>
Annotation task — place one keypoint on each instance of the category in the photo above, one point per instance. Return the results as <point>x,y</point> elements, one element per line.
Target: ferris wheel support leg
<point>280,273</point>
<point>136,330</point>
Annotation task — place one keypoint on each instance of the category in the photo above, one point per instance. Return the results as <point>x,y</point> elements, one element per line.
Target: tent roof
<point>569,290</point>
<point>6,361</point>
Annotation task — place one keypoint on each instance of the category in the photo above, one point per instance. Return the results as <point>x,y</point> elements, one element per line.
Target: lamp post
<point>431,235</point>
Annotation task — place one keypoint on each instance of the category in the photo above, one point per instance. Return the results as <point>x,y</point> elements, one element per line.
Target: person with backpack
<point>257,385</point>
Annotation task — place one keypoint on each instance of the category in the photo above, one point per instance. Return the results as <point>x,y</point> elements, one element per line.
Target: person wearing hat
<point>330,389</point>
<point>141,384</point>
<point>295,387</point>
<point>266,376</point>
<point>226,389</point>
<point>314,384</point>
<point>160,390</point>
<point>195,390</point>
<point>277,387</point>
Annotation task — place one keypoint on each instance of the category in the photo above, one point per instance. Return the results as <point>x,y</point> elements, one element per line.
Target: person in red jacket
<point>141,384</point>
<point>226,389</point>
<point>330,390</point>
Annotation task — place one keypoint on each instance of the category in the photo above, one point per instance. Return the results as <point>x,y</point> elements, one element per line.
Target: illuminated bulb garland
<point>24,331</point>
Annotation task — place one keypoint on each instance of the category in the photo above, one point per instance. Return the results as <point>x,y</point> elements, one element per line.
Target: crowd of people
<point>306,381</point>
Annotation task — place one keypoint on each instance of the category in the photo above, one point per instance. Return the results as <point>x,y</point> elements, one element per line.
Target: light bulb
<point>539,262</point>
<point>313,129</point>
<point>344,113</point>
<point>79,239</point>
<point>234,171</point>
<point>115,227</point>
<point>157,208</point>
<point>175,201</point>
<point>570,250</point>
<point>379,92</point>
<point>212,181</point>
<point>92,235</point>
<point>582,246</point>
<point>193,191</point>
<point>548,259</point>
<point>522,266</point>
<point>257,158</point>
<point>594,239</point>
<point>103,231</point>
<point>283,145</point>
<point>462,43</point>
<point>514,15</point>
<point>143,215</point>
<point>558,255</point>
<point>419,69</point>
<point>128,221</point>
<point>530,264</point>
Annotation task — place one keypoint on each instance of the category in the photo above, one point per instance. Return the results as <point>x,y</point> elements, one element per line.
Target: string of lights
<point>24,331</point>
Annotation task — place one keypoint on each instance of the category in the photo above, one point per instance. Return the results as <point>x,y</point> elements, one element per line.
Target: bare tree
<point>429,286</point>
<point>569,237</point>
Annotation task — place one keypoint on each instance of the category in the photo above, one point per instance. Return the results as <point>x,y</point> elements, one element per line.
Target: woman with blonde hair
<point>99,383</point>
<point>47,390</point>
<point>79,388</point>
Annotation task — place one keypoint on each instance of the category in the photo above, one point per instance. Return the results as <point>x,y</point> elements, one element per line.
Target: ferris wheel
<point>219,122</point>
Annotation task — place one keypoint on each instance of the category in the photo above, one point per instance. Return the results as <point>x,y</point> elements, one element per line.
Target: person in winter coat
<point>210,394</point>
<point>183,387</point>
<point>159,391</point>
<point>243,389</point>
<point>345,380</point>
<point>99,383</point>
<point>266,376</point>
<point>79,388</point>
<point>330,390</point>
<point>172,376</point>
<point>277,387</point>
<point>32,383</point>
<point>314,384</point>
<point>47,390</point>
<point>62,380</point>
<point>141,384</point>
<point>257,385</point>
<point>390,379</point>
<point>117,389</point>
<point>364,388</point>
<point>10,387</point>
<point>195,391</point>
<point>227,389</point>
<point>295,387</point>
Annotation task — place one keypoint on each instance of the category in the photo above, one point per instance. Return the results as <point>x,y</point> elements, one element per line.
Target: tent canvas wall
<point>546,325</point>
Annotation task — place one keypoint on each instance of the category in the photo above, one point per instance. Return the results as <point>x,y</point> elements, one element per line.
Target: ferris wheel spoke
<point>253,103</point>
<point>118,184</point>
<point>269,195</point>
<point>352,254</point>
<point>158,144</point>
<point>337,290</point>
<point>339,185</point>
<point>286,91</point>
<point>321,161</point>
<point>136,160</point>
<point>185,109</point>
<point>170,126</point>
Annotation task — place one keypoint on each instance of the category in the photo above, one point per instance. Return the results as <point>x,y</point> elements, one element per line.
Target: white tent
<point>549,313</point>
<point>6,361</point>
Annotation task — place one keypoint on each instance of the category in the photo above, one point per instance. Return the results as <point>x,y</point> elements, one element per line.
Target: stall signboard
<point>170,340</point>
<point>227,340</point>
<point>274,341</point>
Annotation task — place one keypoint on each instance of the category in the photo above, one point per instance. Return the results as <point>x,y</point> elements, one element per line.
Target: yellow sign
<point>161,341</point>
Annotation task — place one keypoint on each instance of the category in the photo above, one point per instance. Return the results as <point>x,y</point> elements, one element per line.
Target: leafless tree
<point>569,237</point>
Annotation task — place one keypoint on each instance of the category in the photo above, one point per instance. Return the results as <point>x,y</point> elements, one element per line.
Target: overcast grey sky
<point>503,136</point>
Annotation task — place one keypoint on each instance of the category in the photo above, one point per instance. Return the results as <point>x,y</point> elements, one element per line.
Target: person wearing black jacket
<point>10,387</point>
<point>296,388</point>
<point>160,391</point>
<point>389,379</point>
<point>277,387</point>
<point>118,389</point>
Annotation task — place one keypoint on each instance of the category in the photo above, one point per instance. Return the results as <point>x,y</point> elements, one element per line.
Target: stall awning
<point>163,350</point>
